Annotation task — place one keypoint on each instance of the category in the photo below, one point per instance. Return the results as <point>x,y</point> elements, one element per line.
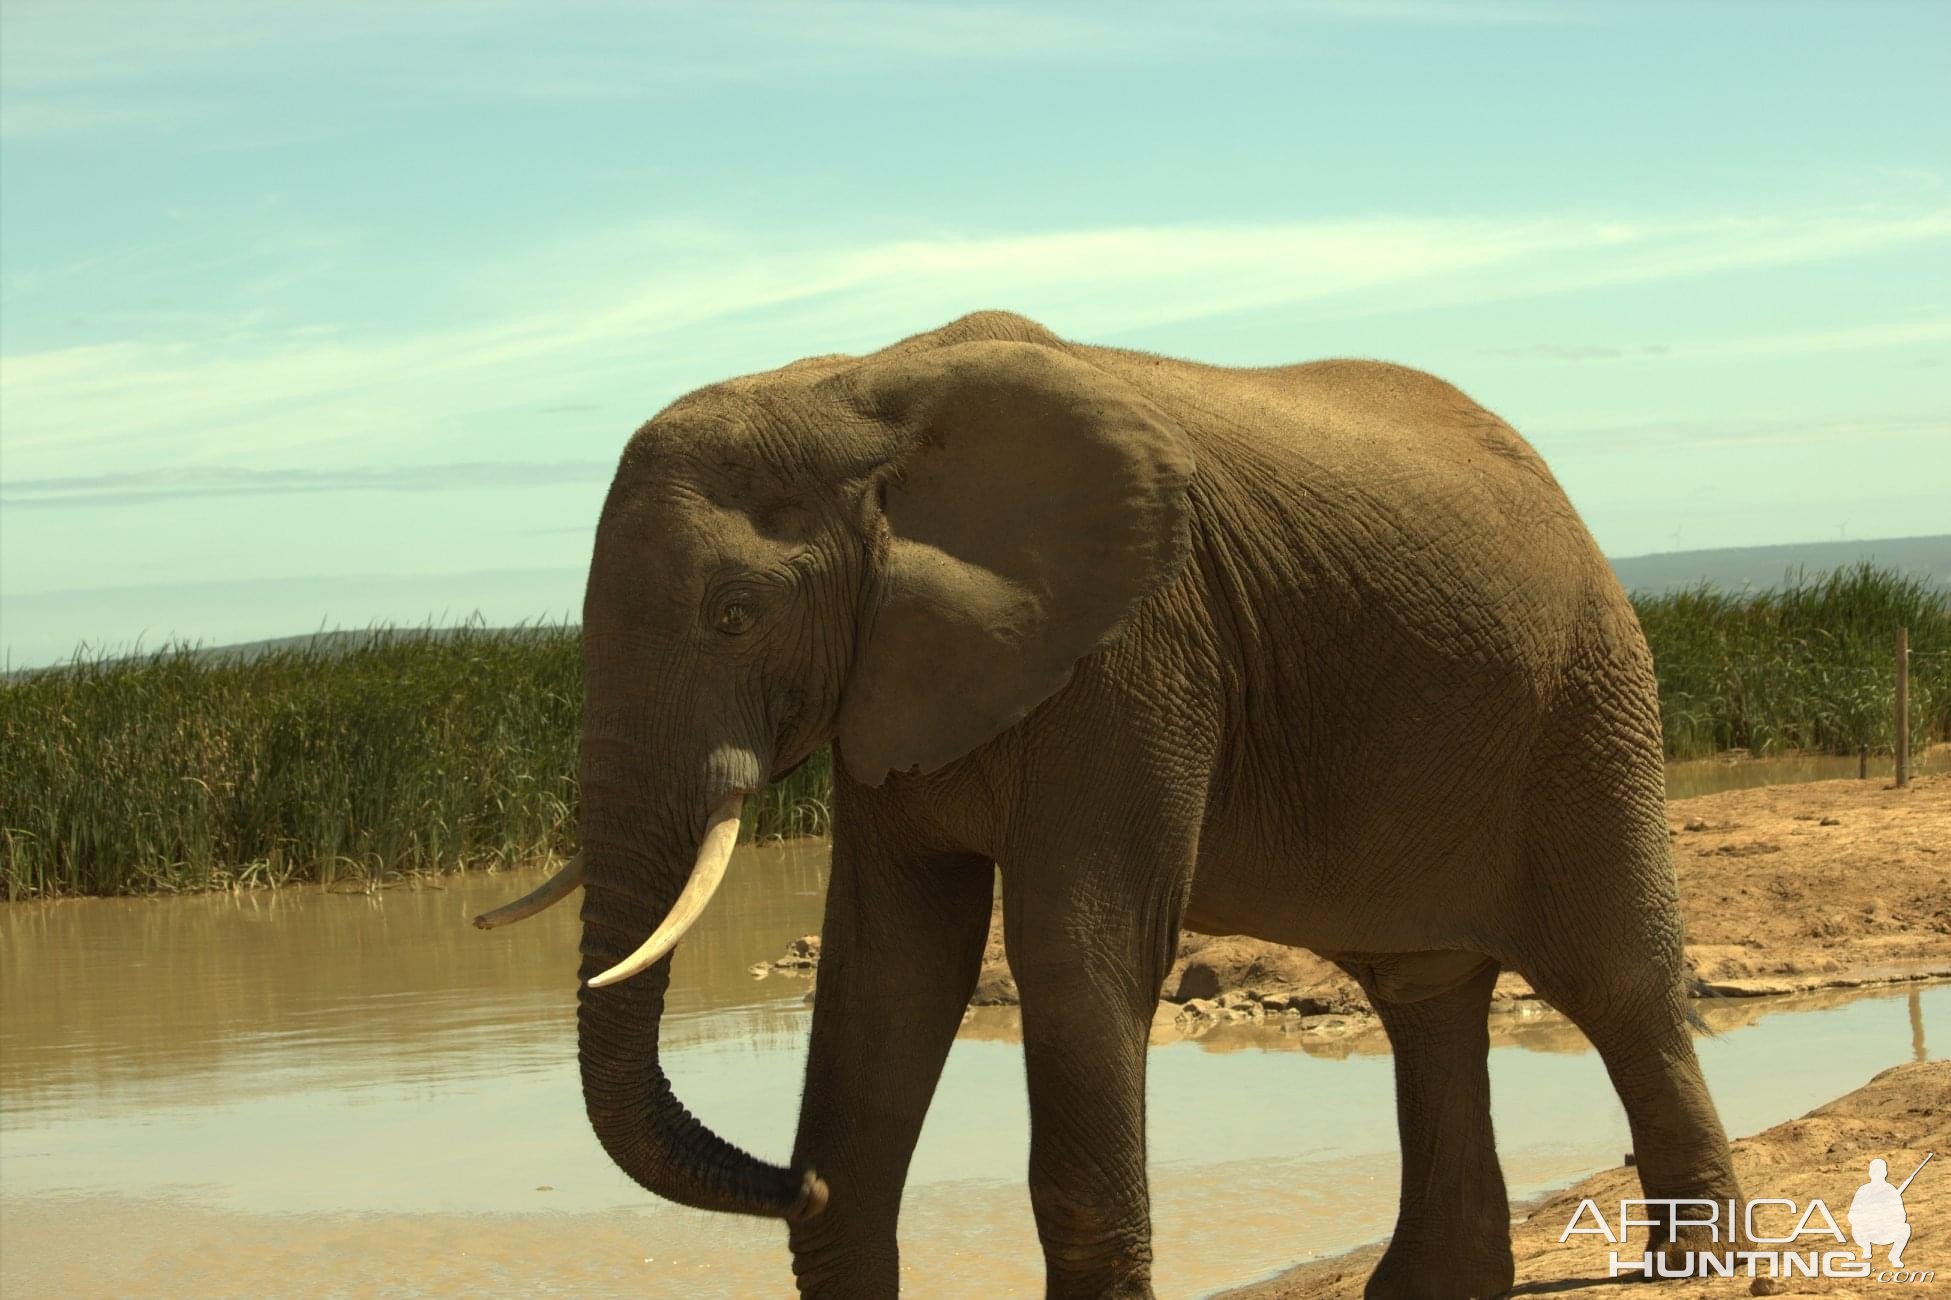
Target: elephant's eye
<point>735,616</point>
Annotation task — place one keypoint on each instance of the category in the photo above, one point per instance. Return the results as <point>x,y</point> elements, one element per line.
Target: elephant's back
<point>1411,538</point>
<point>1364,419</point>
<point>1394,477</point>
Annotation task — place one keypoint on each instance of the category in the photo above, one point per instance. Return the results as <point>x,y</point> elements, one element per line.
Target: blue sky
<point>322,314</point>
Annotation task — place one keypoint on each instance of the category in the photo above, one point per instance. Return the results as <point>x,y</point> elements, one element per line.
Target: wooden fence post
<point>1903,706</point>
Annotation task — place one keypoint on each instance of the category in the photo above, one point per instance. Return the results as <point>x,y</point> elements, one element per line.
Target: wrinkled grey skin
<point>1319,654</point>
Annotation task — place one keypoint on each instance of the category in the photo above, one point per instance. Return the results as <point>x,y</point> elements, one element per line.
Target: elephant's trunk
<point>637,1118</point>
<point>714,855</point>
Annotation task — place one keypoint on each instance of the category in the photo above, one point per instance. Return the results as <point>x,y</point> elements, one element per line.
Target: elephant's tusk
<point>721,835</point>
<point>544,896</point>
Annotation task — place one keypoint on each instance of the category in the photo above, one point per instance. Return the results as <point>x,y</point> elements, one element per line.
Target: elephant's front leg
<point>900,951</point>
<point>1089,946</point>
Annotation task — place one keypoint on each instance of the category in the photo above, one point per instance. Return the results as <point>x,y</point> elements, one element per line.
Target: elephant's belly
<point>1335,906</point>
<point>1261,901</point>
<point>1293,931</point>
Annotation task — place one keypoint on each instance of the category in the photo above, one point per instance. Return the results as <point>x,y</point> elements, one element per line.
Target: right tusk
<point>544,896</point>
<point>721,836</point>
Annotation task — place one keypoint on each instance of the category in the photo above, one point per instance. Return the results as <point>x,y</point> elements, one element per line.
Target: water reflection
<point>113,995</point>
<point>244,1094</point>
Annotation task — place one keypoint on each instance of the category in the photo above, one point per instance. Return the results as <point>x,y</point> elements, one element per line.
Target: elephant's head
<point>903,554</point>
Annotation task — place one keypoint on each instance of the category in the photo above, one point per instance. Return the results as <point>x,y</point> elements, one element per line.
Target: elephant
<point>1319,654</point>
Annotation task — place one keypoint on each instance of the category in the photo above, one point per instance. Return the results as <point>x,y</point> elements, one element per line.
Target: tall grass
<point>356,756</point>
<point>397,751</point>
<point>1809,665</point>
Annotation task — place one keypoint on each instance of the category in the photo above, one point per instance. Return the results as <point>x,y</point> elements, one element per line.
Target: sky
<point>327,314</point>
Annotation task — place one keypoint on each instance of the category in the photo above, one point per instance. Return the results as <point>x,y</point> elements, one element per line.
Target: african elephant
<point>1319,654</point>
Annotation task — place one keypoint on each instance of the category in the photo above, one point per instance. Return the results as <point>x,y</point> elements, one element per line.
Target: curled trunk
<point>637,1117</point>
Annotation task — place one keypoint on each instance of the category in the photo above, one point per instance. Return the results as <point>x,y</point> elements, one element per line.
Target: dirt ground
<point>1783,889</point>
<point>1898,1116</point>
<point>1820,885</point>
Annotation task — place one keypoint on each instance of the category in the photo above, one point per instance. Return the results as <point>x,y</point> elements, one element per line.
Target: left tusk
<point>721,835</point>
<point>544,896</point>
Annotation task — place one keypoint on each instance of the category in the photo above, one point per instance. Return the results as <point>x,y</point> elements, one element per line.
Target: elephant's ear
<point>1034,502</point>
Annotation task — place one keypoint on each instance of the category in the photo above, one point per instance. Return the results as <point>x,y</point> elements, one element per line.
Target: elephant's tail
<point>1697,987</point>
<point>1694,987</point>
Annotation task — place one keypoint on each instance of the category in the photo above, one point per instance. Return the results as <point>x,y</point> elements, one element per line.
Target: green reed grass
<point>361,756</point>
<point>391,751</point>
<point>1809,665</point>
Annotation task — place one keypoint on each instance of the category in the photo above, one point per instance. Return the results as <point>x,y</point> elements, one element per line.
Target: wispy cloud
<point>765,40</point>
<point>1648,440</point>
<point>1576,351</point>
<point>650,49</point>
<point>69,115</point>
<point>131,488</point>
<point>681,319</point>
<point>1854,338</point>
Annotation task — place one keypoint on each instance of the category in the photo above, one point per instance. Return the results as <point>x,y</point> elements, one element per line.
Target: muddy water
<point>311,1093</point>
<point>1700,776</point>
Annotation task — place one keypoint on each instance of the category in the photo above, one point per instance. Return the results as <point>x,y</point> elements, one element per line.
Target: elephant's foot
<point>1102,1271</point>
<point>1121,1287</point>
<point>848,1277</point>
<point>1477,1264</point>
<point>833,1263</point>
<point>1675,1249</point>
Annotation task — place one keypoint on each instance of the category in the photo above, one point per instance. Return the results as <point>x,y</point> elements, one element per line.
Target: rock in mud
<point>802,958</point>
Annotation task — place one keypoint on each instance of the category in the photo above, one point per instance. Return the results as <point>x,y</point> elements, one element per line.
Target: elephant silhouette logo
<point>1876,1212</point>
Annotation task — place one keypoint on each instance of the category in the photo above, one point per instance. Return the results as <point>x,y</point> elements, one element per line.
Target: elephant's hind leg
<point>1453,1233</point>
<point>1604,947</point>
<point>1678,1143</point>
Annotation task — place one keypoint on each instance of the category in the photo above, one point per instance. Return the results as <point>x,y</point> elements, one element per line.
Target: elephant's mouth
<point>707,873</point>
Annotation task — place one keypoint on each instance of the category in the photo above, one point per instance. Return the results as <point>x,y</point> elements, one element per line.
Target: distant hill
<point>233,610</point>
<point>1759,567</point>
<point>44,627</point>
<point>331,642</point>
<point>344,641</point>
